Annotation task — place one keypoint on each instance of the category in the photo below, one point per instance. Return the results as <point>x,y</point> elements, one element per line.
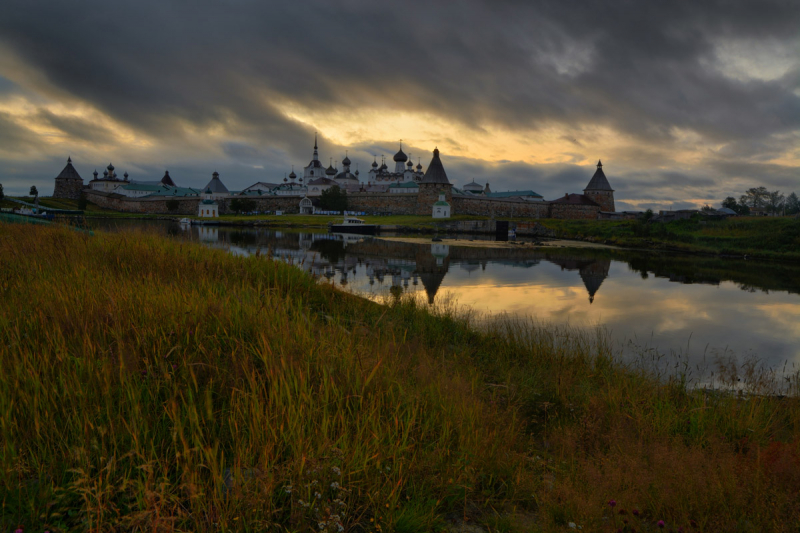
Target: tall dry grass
<point>148,384</point>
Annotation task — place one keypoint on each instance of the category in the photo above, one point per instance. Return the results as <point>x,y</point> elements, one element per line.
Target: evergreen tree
<point>775,202</point>
<point>333,199</point>
<point>2,195</point>
<point>792,204</point>
<point>35,193</point>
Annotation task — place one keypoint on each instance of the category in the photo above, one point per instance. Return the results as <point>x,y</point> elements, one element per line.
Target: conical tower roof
<point>435,172</point>
<point>216,185</point>
<point>599,182</point>
<point>167,180</point>
<point>593,276</point>
<point>69,172</point>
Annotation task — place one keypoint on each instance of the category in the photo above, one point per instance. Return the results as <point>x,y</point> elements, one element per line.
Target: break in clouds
<point>685,102</point>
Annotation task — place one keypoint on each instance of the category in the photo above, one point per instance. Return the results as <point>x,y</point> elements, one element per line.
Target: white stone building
<point>109,182</point>
<point>409,187</point>
<point>208,209</point>
<point>441,209</point>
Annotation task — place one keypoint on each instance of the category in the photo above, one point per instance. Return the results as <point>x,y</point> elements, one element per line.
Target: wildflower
<point>19,530</point>
<point>635,512</point>
<point>661,524</point>
<point>318,495</point>
<point>287,489</point>
<point>322,525</point>
<point>339,528</point>
<point>612,503</point>
<point>334,485</point>
<point>336,471</point>
<point>692,523</point>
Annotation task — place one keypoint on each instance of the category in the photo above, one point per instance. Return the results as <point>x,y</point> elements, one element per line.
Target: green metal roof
<point>142,187</point>
<point>441,203</point>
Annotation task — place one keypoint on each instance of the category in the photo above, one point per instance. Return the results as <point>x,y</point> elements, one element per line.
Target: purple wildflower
<point>661,524</point>
<point>635,512</point>
<point>612,503</point>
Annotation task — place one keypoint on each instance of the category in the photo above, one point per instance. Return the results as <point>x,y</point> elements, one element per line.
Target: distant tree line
<point>760,198</point>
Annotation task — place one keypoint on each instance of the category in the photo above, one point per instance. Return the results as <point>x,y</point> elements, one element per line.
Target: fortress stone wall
<point>396,204</point>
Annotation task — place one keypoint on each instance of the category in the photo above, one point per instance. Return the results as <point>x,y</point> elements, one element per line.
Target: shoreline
<point>576,234</point>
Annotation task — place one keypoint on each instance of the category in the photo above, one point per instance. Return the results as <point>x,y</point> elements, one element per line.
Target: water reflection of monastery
<point>375,265</point>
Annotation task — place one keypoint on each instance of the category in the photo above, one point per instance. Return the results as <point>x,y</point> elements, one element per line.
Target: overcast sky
<point>685,102</point>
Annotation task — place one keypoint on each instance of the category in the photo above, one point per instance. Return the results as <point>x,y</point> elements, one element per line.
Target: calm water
<point>698,307</point>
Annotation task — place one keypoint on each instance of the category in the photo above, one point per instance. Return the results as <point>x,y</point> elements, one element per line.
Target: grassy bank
<point>154,385</point>
<point>764,237</point>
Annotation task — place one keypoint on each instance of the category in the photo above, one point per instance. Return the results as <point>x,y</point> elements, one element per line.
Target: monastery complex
<point>404,190</point>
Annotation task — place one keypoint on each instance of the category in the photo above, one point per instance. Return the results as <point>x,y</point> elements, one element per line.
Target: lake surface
<point>697,307</point>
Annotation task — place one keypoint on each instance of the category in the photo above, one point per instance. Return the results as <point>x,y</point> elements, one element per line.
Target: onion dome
<point>374,164</point>
<point>400,156</point>
<point>94,173</point>
<point>410,164</point>
<point>110,168</point>
<point>285,179</point>
<point>346,161</point>
<point>330,171</point>
<point>356,172</point>
<point>292,175</point>
<point>105,174</point>
<point>419,166</point>
<point>125,175</point>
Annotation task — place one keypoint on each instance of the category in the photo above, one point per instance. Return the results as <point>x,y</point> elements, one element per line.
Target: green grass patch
<point>764,237</point>
<point>156,385</point>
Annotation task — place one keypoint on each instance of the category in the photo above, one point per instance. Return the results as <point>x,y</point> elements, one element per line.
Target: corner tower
<point>69,183</point>
<point>433,184</point>
<point>599,190</point>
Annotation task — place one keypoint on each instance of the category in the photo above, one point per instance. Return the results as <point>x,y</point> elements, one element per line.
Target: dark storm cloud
<point>162,68</point>
<point>74,127</point>
<point>639,68</point>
